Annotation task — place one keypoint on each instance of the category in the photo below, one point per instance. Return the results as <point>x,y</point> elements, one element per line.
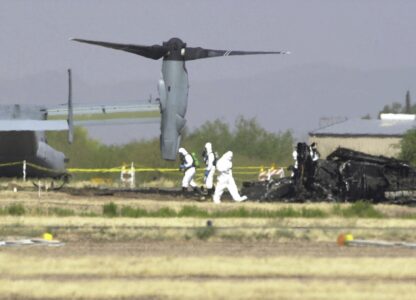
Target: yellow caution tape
<point>11,164</point>
<point>245,173</point>
<point>119,169</point>
<point>30,165</point>
<point>257,167</point>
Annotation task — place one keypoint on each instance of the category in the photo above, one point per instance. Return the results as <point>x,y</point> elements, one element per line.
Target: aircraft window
<point>168,88</point>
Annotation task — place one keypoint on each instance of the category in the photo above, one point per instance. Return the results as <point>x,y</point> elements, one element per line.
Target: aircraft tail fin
<point>70,110</point>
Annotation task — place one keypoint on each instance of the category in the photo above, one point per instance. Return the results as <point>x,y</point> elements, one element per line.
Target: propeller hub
<point>176,49</point>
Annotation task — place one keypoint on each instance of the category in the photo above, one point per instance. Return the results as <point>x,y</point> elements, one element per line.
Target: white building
<point>377,137</point>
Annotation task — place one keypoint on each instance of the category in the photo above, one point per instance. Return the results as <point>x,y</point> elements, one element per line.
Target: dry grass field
<point>179,257</point>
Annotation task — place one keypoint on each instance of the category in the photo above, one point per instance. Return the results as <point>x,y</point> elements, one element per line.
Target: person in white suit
<point>187,166</point>
<point>225,179</point>
<point>209,158</point>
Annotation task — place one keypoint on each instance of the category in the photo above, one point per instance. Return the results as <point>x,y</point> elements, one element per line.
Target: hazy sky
<point>360,35</point>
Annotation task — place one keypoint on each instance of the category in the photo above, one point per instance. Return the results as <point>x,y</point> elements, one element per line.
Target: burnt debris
<point>346,175</point>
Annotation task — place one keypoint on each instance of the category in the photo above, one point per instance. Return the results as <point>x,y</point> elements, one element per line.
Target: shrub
<point>408,147</point>
<point>110,210</point>
<point>16,210</point>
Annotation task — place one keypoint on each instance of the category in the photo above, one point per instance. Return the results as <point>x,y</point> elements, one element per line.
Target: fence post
<point>132,176</point>
<point>24,170</point>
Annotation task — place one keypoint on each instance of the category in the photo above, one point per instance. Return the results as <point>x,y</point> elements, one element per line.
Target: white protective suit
<point>210,168</point>
<point>295,158</point>
<point>225,179</point>
<point>295,165</point>
<point>314,152</point>
<point>189,169</point>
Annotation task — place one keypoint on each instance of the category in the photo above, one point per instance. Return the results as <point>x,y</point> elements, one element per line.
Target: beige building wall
<point>386,146</point>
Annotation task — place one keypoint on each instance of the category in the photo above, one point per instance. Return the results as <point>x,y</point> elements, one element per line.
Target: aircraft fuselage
<point>30,146</point>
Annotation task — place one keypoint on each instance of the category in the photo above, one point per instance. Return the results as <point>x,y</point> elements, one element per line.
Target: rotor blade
<point>197,53</point>
<point>153,52</point>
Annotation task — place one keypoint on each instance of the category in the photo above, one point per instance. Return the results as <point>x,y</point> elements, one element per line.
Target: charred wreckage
<point>345,175</point>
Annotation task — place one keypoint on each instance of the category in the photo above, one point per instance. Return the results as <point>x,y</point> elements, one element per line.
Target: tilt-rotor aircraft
<point>173,86</point>
<point>24,150</point>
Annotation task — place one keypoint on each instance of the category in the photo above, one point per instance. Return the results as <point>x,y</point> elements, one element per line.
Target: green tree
<point>408,147</point>
<point>216,132</point>
<point>254,141</point>
<point>366,117</point>
<point>249,141</point>
<point>408,107</point>
<point>398,108</point>
<point>395,108</point>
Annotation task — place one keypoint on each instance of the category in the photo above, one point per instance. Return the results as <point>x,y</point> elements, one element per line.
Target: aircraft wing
<point>93,115</point>
<point>33,125</point>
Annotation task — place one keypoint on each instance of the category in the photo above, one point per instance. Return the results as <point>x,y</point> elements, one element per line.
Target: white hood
<point>225,164</point>
<point>208,147</point>
<point>182,151</point>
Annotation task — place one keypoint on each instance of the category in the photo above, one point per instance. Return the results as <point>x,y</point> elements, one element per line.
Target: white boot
<point>216,200</point>
<point>241,199</point>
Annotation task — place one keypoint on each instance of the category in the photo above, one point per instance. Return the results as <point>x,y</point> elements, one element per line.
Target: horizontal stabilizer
<point>33,125</point>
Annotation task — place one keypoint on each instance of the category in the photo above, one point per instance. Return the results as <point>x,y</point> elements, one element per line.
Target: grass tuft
<point>129,212</point>
<point>110,210</point>
<point>359,209</point>
<point>287,212</point>
<point>61,212</point>
<point>193,211</point>
<point>313,213</point>
<point>16,210</point>
<point>205,233</point>
<point>164,212</point>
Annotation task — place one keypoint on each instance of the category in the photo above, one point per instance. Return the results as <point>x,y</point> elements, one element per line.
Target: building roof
<point>360,127</point>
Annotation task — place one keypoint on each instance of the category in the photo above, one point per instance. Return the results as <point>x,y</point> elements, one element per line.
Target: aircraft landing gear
<point>52,184</point>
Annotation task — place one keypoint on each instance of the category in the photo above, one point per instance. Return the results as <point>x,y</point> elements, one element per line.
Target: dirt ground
<point>194,248</point>
<point>121,264</point>
<point>87,199</point>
